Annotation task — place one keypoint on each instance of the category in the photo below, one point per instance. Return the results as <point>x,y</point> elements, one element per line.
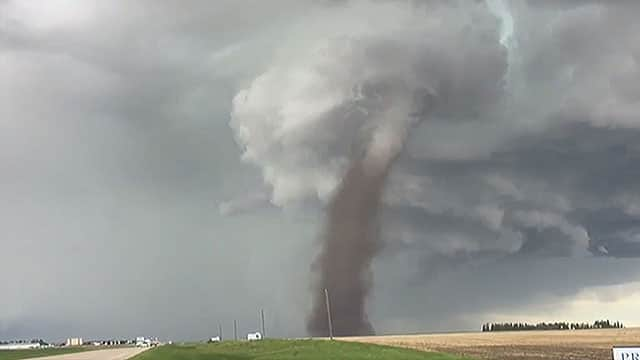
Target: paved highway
<point>108,354</point>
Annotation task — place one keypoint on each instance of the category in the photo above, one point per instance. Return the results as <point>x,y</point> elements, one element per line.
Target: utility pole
<point>264,333</point>
<point>220,331</point>
<point>326,299</point>
<point>235,330</point>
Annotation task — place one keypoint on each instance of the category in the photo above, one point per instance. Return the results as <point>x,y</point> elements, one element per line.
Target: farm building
<point>74,342</point>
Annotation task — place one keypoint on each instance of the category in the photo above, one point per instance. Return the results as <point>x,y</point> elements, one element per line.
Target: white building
<point>74,342</point>
<point>142,341</point>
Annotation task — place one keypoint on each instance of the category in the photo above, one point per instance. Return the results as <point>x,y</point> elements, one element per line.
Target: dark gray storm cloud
<point>521,145</point>
<point>130,206</point>
<point>114,156</point>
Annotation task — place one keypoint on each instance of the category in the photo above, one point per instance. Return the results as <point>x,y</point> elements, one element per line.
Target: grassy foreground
<point>286,350</point>
<point>26,354</point>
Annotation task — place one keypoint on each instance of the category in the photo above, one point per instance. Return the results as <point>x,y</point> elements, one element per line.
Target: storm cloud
<point>141,195</point>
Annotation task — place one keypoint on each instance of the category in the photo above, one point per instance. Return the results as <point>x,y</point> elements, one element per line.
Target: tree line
<point>599,324</point>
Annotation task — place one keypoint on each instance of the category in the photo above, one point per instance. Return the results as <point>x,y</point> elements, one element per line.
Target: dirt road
<point>518,345</point>
<point>108,354</point>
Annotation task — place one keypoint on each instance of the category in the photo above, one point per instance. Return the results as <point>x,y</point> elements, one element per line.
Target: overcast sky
<point>164,165</point>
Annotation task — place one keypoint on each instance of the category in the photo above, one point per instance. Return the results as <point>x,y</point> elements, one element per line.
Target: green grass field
<point>286,350</point>
<point>25,354</point>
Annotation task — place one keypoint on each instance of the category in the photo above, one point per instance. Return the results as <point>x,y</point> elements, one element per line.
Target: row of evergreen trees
<point>599,324</point>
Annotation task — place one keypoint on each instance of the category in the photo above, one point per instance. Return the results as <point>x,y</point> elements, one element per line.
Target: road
<point>108,354</point>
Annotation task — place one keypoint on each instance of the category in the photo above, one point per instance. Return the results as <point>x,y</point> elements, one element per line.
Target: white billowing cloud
<point>303,119</point>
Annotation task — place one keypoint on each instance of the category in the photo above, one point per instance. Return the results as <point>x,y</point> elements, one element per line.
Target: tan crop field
<point>518,345</point>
